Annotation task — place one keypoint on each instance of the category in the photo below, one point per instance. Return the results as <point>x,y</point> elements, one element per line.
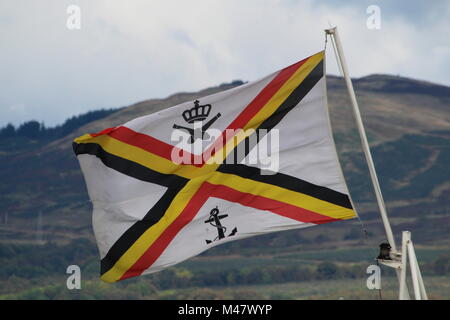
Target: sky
<point>129,51</point>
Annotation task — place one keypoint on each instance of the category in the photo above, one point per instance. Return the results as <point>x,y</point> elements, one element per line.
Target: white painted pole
<point>364,141</point>
<point>413,266</point>
<point>412,256</point>
<point>403,295</point>
<point>423,292</point>
<point>365,145</point>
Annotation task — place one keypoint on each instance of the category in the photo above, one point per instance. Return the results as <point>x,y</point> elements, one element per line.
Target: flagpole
<point>362,133</point>
<point>399,259</point>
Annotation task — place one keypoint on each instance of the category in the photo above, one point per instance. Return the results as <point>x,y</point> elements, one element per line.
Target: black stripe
<point>135,170</point>
<point>128,167</point>
<point>289,182</point>
<point>130,236</point>
<point>291,101</point>
<point>280,179</point>
<point>295,97</point>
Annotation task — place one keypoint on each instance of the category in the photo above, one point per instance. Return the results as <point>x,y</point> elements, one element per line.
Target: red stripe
<point>105,131</point>
<point>263,203</point>
<point>164,150</point>
<point>218,191</point>
<point>142,141</point>
<point>258,102</point>
<point>157,248</point>
<point>265,95</point>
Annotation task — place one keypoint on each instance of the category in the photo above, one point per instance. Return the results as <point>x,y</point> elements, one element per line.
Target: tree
<point>327,270</point>
<point>321,238</point>
<point>8,131</point>
<point>442,265</point>
<point>30,129</point>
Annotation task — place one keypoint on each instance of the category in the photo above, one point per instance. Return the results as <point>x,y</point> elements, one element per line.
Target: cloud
<point>130,51</point>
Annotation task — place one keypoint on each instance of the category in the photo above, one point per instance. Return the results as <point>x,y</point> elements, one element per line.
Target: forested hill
<point>34,133</point>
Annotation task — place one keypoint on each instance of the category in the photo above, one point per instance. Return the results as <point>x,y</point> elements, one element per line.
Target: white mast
<point>399,259</point>
<point>362,133</point>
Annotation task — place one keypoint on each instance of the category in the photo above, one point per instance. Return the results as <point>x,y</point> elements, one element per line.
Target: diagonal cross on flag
<point>148,244</point>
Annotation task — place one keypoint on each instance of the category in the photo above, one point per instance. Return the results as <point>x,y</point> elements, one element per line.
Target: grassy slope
<point>163,286</point>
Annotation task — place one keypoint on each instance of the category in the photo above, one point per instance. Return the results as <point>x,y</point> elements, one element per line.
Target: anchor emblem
<point>214,220</point>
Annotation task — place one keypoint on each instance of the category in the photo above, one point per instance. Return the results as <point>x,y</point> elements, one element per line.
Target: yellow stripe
<point>284,92</point>
<point>147,159</point>
<point>207,173</point>
<point>272,105</point>
<point>281,194</point>
<point>84,138</point>
<point>129,258</point>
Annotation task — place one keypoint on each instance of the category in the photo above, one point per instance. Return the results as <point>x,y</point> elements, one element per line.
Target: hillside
<point>43,200</point>
<point>391,106</point>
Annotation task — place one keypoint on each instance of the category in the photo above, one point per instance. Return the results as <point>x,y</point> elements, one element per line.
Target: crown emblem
<point>197,112</point>
<point>196,115</point>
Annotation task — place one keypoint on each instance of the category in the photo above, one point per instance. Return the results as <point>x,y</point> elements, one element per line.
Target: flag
<point>254,159</point>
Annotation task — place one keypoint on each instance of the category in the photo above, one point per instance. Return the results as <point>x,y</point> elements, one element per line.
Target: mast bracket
<point>391,263</point>
<point>330,31</point>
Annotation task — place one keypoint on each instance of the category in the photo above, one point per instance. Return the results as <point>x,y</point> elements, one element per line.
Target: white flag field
<point>251,160</point>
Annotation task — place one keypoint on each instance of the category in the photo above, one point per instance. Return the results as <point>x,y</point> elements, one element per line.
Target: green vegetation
<point>410,167</point>
<point>42,275</point>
